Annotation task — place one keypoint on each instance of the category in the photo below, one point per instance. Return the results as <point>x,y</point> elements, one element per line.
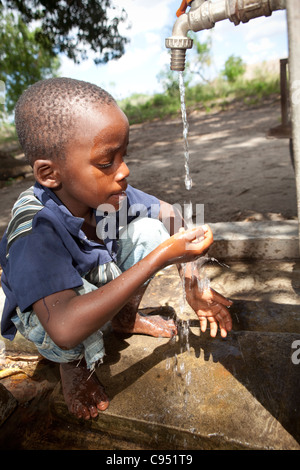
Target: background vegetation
<point>218,94</point>
<point>34,33</point>
<point>232,85</point>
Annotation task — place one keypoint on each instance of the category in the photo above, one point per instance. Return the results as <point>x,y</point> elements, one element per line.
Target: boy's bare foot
<point>152,325</point>
<point>83,393</point>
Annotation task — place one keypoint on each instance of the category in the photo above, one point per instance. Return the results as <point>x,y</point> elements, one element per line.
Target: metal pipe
<point>293,21</point>
<point>204,15</point>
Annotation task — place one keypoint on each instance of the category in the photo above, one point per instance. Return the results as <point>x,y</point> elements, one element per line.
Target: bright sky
<point>151,22</point>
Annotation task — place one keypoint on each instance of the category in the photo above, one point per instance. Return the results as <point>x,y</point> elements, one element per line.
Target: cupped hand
<point>187,245</point>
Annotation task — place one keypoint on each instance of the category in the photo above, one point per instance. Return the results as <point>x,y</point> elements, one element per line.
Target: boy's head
<point>75,137</point>
<point>46,113</point>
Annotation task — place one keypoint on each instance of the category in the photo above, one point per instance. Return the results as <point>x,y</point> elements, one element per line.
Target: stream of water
<point>179,368</point>
<point>198,268</point>
<point>187,179</point>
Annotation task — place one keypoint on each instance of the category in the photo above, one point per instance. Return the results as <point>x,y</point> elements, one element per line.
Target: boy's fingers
<point>216,297</point>
<point>223,332</point>
<point>213,327</point>
<point>200,246</point>
<point>198,232</point>
<point>203,323</point>
<point>225,320</point>
<point>198,239</point>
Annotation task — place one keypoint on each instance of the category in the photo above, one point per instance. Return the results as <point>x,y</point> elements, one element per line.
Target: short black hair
<point>45,115</point>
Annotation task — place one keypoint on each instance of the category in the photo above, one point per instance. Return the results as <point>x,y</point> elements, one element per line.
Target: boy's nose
<point>123,171</point>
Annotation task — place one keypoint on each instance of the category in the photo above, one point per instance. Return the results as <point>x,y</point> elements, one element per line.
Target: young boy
<point>64,275</point>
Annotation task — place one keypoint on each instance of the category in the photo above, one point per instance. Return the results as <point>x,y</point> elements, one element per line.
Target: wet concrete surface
<point>191,392</point>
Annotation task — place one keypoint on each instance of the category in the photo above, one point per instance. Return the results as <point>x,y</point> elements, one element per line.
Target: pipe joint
<point>245,10</point>
<point>205,13</point>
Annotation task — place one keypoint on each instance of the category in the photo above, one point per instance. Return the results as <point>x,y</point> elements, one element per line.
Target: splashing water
<point>188,179</point>
<point>188,215</point>
<point>197,267</point>
<point>179,366</point>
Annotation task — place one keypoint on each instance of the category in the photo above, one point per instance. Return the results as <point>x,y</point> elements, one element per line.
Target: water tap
<point>203,14</point>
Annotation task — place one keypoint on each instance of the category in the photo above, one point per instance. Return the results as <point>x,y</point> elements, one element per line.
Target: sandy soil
<point>238,173</point>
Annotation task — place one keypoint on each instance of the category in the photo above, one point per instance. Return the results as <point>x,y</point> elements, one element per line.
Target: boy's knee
<point>147,230</point>
<point>138,239</point>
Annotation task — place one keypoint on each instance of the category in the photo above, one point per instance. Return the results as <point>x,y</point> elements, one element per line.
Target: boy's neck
<point>89,228</point>
<point>86,213</point>
<point>83,212</point>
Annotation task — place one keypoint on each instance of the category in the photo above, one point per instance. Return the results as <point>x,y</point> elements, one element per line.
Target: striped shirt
<point>44,250</point>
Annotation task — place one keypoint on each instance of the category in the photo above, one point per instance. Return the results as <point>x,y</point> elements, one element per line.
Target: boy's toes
<point>93,411</point>
<point>85,411</point>
<point>100,398</point>
<point>80,410</point>
<point>103,405</point>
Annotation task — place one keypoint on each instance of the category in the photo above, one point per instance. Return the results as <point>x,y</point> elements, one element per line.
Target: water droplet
<point>188,377</point>
<point>188,183</point>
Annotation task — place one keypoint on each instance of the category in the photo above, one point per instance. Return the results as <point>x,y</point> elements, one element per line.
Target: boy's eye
<point>104,165</point>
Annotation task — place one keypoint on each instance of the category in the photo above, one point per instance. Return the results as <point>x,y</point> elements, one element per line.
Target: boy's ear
<point>46,173</point>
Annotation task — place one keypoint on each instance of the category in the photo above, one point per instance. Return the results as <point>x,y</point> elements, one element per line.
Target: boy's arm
<point>208,304</point>
<point>69,319</point>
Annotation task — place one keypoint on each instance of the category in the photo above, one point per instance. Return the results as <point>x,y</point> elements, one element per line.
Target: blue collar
<point>72,224</point>
<point>49,199</point>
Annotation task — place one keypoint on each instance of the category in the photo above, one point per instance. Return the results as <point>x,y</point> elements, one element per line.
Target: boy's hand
<point>187,245</point>
<point>184,247</point>
<point>209,306</point>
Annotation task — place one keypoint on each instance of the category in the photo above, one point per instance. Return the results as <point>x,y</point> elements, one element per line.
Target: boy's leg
<point>141,237</point>
<point>83,392</point>
<point>91,349</point>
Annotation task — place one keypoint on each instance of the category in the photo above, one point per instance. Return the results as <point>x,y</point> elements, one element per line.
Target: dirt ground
<point>238,173</point>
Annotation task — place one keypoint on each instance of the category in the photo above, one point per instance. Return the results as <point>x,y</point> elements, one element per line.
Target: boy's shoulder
<point>23,212</point>
<point>31,213</point>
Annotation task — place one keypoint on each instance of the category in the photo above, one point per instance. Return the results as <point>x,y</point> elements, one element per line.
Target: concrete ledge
<point>255,240</point>
<point>233,394</point>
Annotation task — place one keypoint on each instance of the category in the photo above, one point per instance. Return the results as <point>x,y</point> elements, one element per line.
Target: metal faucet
<point>203,14</point>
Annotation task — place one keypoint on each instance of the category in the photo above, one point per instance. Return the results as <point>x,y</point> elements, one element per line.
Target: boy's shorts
<point>144,235</point>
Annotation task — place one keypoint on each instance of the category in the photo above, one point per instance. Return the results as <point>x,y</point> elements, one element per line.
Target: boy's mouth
<point>118,197</point>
